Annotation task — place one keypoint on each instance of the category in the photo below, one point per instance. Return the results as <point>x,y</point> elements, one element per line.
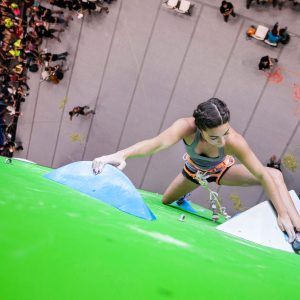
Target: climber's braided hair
<point>211,113</point>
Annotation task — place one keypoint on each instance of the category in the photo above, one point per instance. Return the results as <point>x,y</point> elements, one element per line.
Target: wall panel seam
<point>67,93</point>
<point>229,58</point>
<point>102,77</point>
<point>139,76</point>
<point>173,89</point>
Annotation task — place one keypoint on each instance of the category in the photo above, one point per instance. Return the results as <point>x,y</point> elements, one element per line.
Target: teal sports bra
<point>203,161</point>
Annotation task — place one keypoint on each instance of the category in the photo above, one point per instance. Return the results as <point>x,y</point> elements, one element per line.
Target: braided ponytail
<point>211,113</point>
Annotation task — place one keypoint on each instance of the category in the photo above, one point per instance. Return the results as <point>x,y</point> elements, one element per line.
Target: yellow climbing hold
<point>290,162</point>
<point>63,103</point>
<point>236,200</point>
<point>76,137</point>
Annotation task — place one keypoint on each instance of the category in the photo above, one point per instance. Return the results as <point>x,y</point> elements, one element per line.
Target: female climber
<point>210,144</point>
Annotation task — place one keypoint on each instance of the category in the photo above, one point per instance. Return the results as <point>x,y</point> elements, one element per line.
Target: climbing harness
<point>202,175</point>
<point>216,171</point>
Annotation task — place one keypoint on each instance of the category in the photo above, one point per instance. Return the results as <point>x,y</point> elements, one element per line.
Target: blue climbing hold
<point>111,186</point>
<point>184,205</point>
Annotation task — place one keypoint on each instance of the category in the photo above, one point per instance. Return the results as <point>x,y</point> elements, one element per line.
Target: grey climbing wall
<point>143,66</point>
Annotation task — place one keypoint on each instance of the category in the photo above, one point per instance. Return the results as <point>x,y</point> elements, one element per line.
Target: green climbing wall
<point>56,243</point>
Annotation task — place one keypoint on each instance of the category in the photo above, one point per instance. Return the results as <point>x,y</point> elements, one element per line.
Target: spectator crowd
<point>24,25</point>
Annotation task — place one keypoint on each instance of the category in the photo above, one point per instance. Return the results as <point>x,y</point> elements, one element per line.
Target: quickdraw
<point>202,175</point>
<point>8,160</point>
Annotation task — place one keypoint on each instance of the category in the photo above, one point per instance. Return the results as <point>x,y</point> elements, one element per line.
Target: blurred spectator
<point>273,35</point>
<point>280,3</point>
<point>72,5</point>
<point>62,3</point>
<point>284,36</point>
<point>296,2</point>
<point>266,62</point>
<point>108,1</point>
<point>45,56</point>
<point>275,29</point>
<point>227,9</point>
<point>53,73</point>
<point>248,3</point>
<point>251,31</point>
<point>50,16</point>
<point>274,163</point>
<point>97,6</point>
<point>9,148</point>
<point>42,31</point>
<point>80,110</point>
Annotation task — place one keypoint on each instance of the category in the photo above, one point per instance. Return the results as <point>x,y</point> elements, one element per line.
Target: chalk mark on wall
<point>290,162</point>
<point>76,137</point>
<point>237,202</point>
<point>296,94</point>
<point>276,77</point>
<point>63,103</point>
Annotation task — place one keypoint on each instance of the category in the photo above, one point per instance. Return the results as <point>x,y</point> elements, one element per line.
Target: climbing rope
<point>213,198</point>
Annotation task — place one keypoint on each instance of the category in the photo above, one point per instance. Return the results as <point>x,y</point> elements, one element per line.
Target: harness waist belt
<point>216,171</point>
